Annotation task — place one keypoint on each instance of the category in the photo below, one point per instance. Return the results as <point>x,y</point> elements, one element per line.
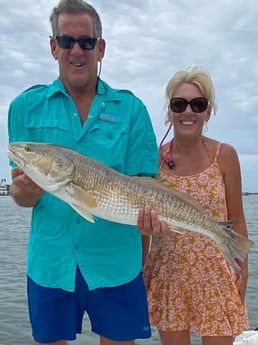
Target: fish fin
<point>83,212</point>
<point>82,201</point>
<point>83,197</point>
<point>156,182</point>
<point>237,246</point>
<point>177,229</point>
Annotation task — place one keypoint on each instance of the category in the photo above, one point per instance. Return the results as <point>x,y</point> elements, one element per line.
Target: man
<point>74,266</point>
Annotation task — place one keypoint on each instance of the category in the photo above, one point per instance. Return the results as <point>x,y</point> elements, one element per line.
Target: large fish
<point>94,189</point>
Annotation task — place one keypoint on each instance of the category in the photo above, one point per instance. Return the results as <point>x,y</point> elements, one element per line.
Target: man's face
<point>78,67</point>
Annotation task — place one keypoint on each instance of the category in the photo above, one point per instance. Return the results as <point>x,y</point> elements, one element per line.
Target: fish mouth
<point>13,156</point>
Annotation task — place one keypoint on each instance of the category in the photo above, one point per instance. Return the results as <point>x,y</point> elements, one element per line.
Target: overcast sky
<point>147,42</point>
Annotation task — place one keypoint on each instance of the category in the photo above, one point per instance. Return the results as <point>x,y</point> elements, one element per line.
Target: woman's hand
<point>149,224</point>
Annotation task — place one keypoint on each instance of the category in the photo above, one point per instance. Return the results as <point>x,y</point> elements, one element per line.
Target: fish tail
<point>237,247</point>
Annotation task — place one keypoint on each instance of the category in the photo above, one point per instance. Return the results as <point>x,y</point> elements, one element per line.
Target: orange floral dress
<point>189,282</point>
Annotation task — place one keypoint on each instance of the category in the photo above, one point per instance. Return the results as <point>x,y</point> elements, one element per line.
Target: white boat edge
<point>247,338</point>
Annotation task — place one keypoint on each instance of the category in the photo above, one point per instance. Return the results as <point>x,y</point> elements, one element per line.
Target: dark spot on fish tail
<point>228,226</point>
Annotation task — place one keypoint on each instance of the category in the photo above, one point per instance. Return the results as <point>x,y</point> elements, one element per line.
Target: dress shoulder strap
<point>217,152</point>
<point>208,153</point>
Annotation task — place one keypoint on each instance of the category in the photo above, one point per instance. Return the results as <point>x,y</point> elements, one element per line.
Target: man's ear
<point>53,47</point>
<point>101,49</point>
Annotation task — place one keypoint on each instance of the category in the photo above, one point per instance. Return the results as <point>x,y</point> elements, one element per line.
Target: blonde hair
<point>193,75</point>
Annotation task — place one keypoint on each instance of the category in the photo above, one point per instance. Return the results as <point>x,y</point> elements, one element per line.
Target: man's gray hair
<point>75,6</point>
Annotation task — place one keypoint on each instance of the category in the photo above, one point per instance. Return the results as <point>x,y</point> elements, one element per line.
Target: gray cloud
<point>147,41</point>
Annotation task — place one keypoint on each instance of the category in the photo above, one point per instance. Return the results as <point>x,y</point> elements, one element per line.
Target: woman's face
<point>188,119</point>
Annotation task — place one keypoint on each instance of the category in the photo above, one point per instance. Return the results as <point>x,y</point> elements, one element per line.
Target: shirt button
<point>76,247</point>
<point>78,221</point>
<point>74,114</point>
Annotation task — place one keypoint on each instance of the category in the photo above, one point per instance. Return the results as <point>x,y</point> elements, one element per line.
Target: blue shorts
<point>118,313</point>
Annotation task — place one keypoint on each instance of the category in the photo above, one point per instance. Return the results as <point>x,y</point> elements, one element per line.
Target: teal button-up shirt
<point>118,132</point>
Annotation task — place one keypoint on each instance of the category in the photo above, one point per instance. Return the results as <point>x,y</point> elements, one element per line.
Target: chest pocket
<point>107,142</point>
<point>48,129</point>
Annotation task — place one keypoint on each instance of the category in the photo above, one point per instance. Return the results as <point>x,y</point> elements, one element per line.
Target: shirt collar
<point>103,89</point>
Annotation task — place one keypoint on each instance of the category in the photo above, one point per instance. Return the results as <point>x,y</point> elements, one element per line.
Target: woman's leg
<point>217,340</point>
<point>175,338</point>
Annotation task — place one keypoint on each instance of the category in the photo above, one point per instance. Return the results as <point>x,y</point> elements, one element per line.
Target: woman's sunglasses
<point>198,105</point>
<point>85,43</point>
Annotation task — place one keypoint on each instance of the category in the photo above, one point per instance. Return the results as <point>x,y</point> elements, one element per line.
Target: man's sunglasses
<point>85,43</point>
<point>198,105</point>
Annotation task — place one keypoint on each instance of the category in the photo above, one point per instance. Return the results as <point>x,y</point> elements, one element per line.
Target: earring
<point>205,126</point>
<point>169,117</point>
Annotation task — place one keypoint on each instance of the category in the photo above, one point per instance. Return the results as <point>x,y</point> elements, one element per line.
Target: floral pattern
<point>189,282</point>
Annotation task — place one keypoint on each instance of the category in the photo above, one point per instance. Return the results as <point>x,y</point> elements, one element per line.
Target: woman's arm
<point>145,247</point>
<point>230,168</point>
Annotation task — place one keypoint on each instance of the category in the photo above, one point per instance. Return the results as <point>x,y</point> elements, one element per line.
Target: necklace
<point>170,162</point>
<point>168,157</point>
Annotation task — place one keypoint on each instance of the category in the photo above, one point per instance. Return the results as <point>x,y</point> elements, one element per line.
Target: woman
<point>191,287</point>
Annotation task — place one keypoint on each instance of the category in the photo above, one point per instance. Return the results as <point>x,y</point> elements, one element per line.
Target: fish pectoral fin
<point>82,201</point>
<point>177,229</point>
<point>81,195</point>
<point>83,212</point>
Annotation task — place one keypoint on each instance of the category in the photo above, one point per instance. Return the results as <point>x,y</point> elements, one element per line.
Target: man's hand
<point>24,191</point>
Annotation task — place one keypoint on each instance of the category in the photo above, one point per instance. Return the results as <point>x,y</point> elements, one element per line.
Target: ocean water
<point>14,228</point>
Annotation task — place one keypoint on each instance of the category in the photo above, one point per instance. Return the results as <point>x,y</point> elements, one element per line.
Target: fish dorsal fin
<point>155,182</point>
